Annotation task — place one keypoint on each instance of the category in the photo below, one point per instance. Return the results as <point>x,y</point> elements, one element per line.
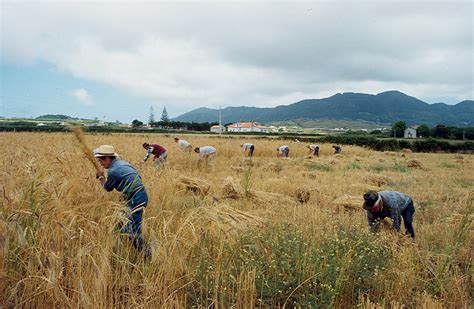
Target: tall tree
<point>398,128</point>
<point>164,115</point>
<point>423,131</point>
<point>136,123</point>
<point>151,118</point>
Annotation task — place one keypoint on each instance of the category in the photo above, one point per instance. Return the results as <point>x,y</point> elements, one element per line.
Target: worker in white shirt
<point>283,151</point>
<point>249,147</point>
<point>206,153</point>
<point>183,145</point>
<point>314,150</point>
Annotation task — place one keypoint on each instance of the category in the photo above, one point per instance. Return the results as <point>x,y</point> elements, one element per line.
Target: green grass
<point>319,167</point>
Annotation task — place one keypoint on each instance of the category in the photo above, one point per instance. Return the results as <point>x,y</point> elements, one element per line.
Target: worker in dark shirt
<point>337,149</point>
<point>160,155</point>
<point>125,179</point>
<point>392,204</point>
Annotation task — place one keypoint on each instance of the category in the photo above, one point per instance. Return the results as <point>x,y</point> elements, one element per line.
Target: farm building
<point>247,127</point>
<point>218,128</point>
<point>410,133</point>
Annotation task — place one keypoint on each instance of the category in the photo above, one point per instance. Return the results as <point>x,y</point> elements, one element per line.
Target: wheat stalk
<point>85,149</point>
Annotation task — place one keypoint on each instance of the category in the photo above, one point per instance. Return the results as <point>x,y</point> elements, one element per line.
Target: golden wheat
<point>213,237</point>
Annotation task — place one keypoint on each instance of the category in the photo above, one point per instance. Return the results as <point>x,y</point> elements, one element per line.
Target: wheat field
<point>266,232</point>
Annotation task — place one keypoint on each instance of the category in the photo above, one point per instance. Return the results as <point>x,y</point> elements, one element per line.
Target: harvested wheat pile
<point>332,162</point>
<point>230,189</point>
<point>310,175</point>
<point>459,157</point>
<point>237,169</point>
<point>247,162</point>
<point>269,198</point>
<point>414,164</point>
<point>272,167</point>
<point>377,180</point>
<point>381,160</point>
<point>223,218</point>
<point>407,151</point>
<point>390,153</point>
<point>194,185</point>
<point>302,195</point>
<point>349,202</point>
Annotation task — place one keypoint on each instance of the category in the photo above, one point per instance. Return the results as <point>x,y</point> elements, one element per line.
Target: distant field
<point>270,232</point>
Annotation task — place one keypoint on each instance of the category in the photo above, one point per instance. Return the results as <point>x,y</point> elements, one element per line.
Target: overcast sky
<point>114,60</point>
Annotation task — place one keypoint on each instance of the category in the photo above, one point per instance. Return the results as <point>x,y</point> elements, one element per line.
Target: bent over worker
<point>314,150</point>
<point>160,155</point>
<point>283,151</point>
<point>392,204</point>
<point>249,147</point>
<point>183,144</point>
<point>124,178</point>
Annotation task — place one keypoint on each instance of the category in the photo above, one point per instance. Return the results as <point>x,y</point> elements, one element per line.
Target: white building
<point>247,127</point>
<point>410,133</point>
<point>218,129</point>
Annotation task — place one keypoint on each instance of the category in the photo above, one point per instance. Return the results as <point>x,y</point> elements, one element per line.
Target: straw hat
<point>105,151</point>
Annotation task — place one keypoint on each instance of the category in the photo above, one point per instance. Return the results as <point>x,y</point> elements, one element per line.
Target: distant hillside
<point>53,117</point>
<point>386,107</point>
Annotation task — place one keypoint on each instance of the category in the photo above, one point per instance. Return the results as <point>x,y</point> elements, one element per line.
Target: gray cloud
<point>261,54</point>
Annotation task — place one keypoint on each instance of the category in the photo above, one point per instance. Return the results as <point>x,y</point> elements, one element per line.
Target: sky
<point>115,60</point>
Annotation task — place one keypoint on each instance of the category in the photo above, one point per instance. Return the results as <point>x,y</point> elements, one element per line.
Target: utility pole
<point>220,122</point>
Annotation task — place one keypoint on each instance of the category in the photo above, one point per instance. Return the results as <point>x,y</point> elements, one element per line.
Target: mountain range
<point>386,107</point>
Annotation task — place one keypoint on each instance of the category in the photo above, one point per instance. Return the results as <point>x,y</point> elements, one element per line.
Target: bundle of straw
<point>302,195</point>
<point>85,149</point>
<point>194,185</point>
<point>349,202</point>
<point>230,189</point>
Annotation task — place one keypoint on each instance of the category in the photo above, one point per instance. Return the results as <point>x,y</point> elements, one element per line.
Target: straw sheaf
<point>310,175</point>
<point>302,195</point>
<point>377,180</point>
<point>272,167</point>
<point>348,202</point>
<point>230,189</point>
<point>270,198</point>
<point>195,185</point>
<point>415,164</point>
<point>227,219</point>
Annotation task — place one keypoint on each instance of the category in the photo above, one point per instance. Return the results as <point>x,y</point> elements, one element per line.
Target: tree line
<point>439,131</point>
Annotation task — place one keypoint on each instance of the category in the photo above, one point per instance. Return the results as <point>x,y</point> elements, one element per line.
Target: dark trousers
<point>407,216</point>
<point>252,148</point>
<point>134,226</point>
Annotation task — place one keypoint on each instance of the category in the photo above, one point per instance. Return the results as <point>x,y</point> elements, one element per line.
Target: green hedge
<point>391,144</point>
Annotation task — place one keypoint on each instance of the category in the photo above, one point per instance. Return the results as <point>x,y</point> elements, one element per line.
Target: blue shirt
<point>124,178</point>
<point>394,203</point>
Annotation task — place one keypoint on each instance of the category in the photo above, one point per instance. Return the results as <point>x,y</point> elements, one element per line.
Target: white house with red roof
<point>247,127</point>
<point>218,128</point>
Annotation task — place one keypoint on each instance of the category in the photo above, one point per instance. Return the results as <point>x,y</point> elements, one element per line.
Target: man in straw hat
<point>125,179</point>
<point>392,204</point>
